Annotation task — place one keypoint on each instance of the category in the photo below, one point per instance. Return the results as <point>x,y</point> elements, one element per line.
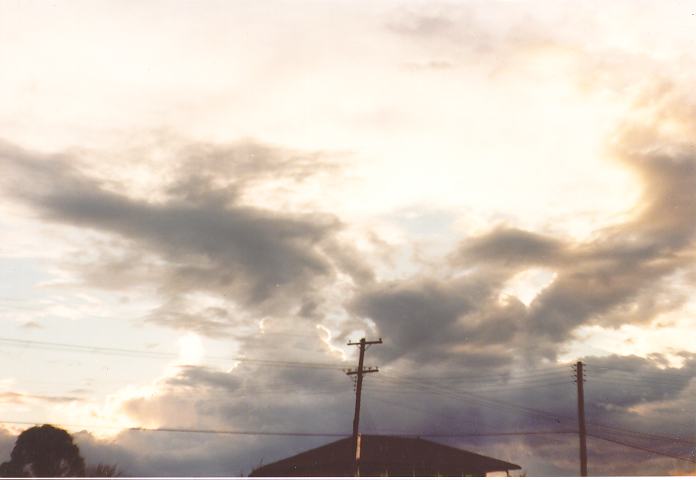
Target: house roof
<point>385,455</point>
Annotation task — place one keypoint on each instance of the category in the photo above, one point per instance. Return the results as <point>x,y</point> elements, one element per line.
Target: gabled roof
<point>385,455</point>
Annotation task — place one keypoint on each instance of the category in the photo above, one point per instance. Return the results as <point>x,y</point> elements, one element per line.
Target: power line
<point>651,376</point>
<point>557,418</point>
<point>504,404</point>
<point>447,418</point>
<point>16,342</point>
<point>245,393</point>
<point>645,435</point>
<point>600,425</point>
<point>238,432</point>
<point>492,382</point>
<point>625,377</point>
<point>639,383</point>
<point>483,382</point>
<point>189,430</point>
<point>634,372</point>
<point>518,387</point>
<point>644,449</point>
<point>450,420</point>
<point>293,434</point>
<point>381,389</point>
<point>530,378</point>
<point>449,378</point>
<point>499,434</point>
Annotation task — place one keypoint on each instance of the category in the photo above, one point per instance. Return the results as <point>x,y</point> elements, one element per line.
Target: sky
<point>201,203</point>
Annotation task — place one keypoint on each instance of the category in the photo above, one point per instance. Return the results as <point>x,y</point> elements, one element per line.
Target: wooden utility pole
<point>358,390</point>
<point>580,381</point>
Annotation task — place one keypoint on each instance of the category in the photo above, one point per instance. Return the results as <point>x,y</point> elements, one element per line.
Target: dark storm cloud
<point>190,454</point>
<point>511,246</point>
<point>262,251</point>
<point>209,239</point>
<point>250,378</point>
<point>258,398</point>
<point>621,372</point>
<point>203,377</point>
<point>248,398</point>
<point>409,314</point>
<point>430,320</point>
<point>297,399</point>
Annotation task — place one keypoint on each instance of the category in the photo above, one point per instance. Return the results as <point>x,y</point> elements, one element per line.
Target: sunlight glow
<point>528,284</point>
<point>190,349</point>
<point>664,335</point>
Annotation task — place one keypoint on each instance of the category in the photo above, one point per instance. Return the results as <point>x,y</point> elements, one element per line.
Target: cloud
<point>31,325</point>
<point>624,275</point>
<point>247,398</point>
<point>510,246</point>
<point>14,398</point>
<point>250,398</point>
<point>428,320</point>
<point>214,321</point>
<point>263,251</point>
<point>196,234</point>
<point>626,263</point>
<point>464,29</point>
<point>218,232</point>
<point>620,276</point>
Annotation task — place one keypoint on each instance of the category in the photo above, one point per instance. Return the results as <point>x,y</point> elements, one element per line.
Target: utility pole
<point>363,344</point>
<point>580,381</point>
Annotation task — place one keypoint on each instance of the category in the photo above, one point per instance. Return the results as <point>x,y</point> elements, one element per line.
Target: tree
<point>44,451</point>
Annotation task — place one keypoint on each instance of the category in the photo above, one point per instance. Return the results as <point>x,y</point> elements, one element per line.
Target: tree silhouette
<point>44,451</point>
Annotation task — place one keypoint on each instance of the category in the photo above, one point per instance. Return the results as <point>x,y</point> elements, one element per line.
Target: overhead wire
<point>499,403</point>
<point>501,388</point>
<point>645,435</point>
<point>634,372</point>
<point>499,434</point>
<point>284,433</point>
<point>15,342</point>
<point>535,379</point>
<point>483,381</point>
<point>477,380</point>
<point>672,377</point>
<point>488,376</point>
<point>558,418</point>
<point>617,429</point>
<point>641,383</point>
<point>448,418</point>
<point>644,449</point>
<point>643,375</point>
